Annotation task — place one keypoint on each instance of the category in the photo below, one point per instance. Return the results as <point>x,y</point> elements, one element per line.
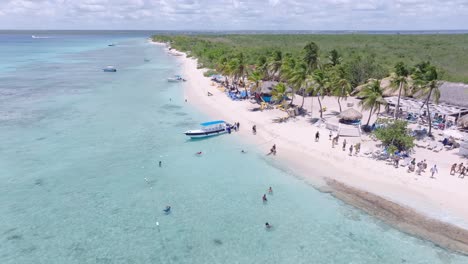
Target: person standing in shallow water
<point>160,163</point>
<point>317,136</point>
<point>254,129</point>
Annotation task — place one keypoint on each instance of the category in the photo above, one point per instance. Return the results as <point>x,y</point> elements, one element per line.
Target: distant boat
<point>176,78</point>
<point>111,45</point>
<point>208,129</point>
<point>38,37</point>
<point>147,60</point>
<point>109,69</point>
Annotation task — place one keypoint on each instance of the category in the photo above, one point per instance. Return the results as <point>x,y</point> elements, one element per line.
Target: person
<point>254,129</point>
<point>357,147</point>
<point>238,125</point>
<point>418,171</point>
<point>168,209</point>
<point>462,172</point>
<point>344,144</point>
<point>273,150</point>
<point>397,161</point>
<point>267,225</point>
<point>185,100</point>
<point>160,163</point>
<point>243,151</point>
<point>264,198</point>
<point>433,171</point>
<point>460,166</point>
<point>413,162</point>
<point>199,153</point>
<point>317,136</point>
<point>424,166</point>
<point>351,149</point>
<point>229,129</point>
<point>330,135</point>
<point>270,190</point>
<point>453,168</point>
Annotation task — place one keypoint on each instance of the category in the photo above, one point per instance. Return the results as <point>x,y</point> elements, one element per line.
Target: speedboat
<point>176,78</point>
<point>207,129</point>
<point>109,69</point>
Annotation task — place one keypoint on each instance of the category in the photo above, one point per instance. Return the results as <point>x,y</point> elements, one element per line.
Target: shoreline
<point>359,182</point>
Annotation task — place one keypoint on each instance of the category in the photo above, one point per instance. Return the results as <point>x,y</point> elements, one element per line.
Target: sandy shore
<point>432,209</point>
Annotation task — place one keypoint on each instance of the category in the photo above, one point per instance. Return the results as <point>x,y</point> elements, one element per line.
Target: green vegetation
<point>361,55</point>
<point>395,136</point>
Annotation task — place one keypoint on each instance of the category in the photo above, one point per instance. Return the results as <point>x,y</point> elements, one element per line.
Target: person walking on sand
<point>344,144</point>
<point>460,166</point>
<point>434,171</point>
<point>351,150</point>
<point>254,129</point>
<point>453,169</point>
<point>317,136</point>
<point>358,147</point>
<point>462,172</point>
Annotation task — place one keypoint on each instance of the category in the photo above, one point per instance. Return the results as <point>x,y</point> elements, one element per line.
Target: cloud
<point>234,14</point>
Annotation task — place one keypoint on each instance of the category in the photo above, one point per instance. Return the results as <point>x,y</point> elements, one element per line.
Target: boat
<point>208,129</point>
<point>109,69</point>
<point>111,45</point>
<point>176,78</point>
<point>147,60</point>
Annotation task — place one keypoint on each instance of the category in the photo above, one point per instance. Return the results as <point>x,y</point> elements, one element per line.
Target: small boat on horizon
<point>208,129</point>
<point>109,69</point>
<point>111,45</point>
<point>176,78</point>
<point>147,60</point>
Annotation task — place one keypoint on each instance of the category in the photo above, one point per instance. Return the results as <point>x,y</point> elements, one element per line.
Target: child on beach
<point>433,171</point>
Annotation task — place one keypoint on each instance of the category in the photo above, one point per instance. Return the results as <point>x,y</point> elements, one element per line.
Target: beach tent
<point>350,115</point>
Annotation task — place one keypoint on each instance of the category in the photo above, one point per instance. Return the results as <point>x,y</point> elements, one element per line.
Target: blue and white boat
<point>176,78</point>
<point>208,129</point>
<point>110,69</point>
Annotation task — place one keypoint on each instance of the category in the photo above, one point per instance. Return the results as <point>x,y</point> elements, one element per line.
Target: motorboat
<point>111,45</point>
<point>208,129</point>
<point>147,60</point>
<point>176,78</point>
<point>110,69</point>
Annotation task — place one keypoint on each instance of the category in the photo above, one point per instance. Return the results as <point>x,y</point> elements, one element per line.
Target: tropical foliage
<point>372,98</point>
<point>395,136</point>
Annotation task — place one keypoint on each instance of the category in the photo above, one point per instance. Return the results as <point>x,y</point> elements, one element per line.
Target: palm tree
<point>311,56</point>
<point>320,86</point>
<point>223,68</point>
<point>334,57</point>
<point>299,79</point>
<point>427,82</point>
<point>238,68</point>
<point>341,89</point>
<point>255,77</point>
<point>399,81</point>
<point>274,65</point>
<point>262,66</point>
<point>373,98</point>
<point>279,92</point>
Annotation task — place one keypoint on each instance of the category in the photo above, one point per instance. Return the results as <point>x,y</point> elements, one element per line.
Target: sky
<point>235,14</point>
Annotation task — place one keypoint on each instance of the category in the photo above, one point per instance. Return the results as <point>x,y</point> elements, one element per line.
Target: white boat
<point>176,78</point>
<point>110,69</point>
<point>208,129</point>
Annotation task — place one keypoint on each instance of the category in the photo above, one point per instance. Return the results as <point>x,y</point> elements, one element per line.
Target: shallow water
<point>80,181</point>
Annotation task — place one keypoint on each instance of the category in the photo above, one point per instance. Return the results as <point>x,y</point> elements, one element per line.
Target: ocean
<point>80,180</point>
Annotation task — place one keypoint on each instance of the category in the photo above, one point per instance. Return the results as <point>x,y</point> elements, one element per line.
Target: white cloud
<point>234,14</point>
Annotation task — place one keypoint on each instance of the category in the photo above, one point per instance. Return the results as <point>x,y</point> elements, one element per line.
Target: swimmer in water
<point>267,225</point>
<point>199,153</point>
<point>243,151</point>
<point>270,190</point>
<point>264,198</point>
<point>160,163</point>
<point>168,209</point>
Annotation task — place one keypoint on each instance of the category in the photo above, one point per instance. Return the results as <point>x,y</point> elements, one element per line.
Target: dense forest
<point>372,56</point>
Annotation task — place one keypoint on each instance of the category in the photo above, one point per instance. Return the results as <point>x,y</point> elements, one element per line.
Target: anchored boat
<point>208,129</point>
<point>109,69</point>
<point>176,78</point>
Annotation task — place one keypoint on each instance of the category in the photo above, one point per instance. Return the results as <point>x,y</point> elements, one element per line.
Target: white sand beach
<point>433,209</point>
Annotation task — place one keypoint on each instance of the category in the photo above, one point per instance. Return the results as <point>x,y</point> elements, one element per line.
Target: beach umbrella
<point>350,114</point>
<point>463,121</point>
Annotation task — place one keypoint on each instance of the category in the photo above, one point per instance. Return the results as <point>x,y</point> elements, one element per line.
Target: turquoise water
<point>80,181</point>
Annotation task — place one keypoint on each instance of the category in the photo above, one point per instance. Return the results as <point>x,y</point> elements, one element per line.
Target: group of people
<point>460,169</point>
<point>264,199</point>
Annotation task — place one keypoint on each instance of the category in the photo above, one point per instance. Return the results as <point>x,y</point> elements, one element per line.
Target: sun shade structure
<point>268,86</point>
<point>350,115</point>
<point>416,106</point>
<point>463,121</point>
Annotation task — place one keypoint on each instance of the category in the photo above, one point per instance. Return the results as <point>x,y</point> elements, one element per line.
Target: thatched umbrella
<point>463,121</point>
<point>350,115</point>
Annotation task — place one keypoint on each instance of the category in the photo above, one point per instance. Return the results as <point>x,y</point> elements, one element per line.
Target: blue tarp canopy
<point>212,123</point>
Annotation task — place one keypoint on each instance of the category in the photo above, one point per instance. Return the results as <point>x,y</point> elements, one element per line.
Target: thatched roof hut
<point>454,94</point>
<point>350,115</point>
<point>267,87</point>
